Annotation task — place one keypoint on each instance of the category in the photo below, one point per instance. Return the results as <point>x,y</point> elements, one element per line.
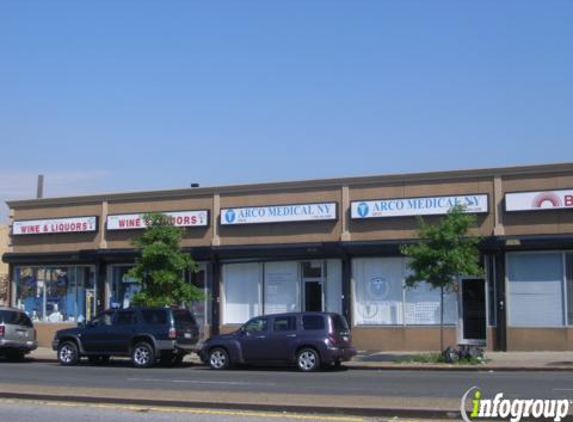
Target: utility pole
<point>40,187</point>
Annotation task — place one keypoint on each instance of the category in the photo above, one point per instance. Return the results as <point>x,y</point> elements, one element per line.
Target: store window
<point>378,291</point>
<point>251,289</point>
<point>123,288</point>
<point>381,297</point>
<point>281,291</point>
<point>201,308</point>
<point>569,274</point>
<point>536,289</point>
<point>423,306</point>
<point>242,292</point>
<point>491,285</point>
<point>56,294</point>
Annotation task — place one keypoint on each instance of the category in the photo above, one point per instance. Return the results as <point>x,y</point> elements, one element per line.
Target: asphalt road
<point>23,411</point>
<point>345,383</point>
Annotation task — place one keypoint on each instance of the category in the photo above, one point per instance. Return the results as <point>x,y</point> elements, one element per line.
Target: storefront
<point>329,245</point>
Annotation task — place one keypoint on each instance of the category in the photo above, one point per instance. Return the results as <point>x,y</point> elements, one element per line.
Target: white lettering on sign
<point>538,201</point>
<point>56,225</point>
<point>278,214</point>
<point>402,207</point>
<point>178,219</point>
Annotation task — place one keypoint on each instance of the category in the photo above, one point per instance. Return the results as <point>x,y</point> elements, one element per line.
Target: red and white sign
<point>137,221</point>
<point>536,201</point>
<point>56,225</point>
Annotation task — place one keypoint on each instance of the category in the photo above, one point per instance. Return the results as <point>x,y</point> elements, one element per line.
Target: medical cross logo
<point>230,216</point>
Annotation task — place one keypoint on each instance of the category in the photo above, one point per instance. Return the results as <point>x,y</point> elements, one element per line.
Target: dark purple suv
<point>309,339</point>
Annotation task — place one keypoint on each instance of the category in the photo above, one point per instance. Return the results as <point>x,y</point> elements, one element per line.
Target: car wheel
<point>218,358</point>
<point>68,353</point>
<point>308,360</point>
<point>143,355</point>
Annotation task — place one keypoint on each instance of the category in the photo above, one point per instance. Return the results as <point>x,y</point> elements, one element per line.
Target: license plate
<point>187,335</point>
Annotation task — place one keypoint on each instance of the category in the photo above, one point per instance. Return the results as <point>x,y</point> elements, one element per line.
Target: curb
<point>360,366</point>
<point>462,368</point>
<point>322,410</point>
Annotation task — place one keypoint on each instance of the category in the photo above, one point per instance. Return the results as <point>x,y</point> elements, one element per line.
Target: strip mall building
<point>331,245</point>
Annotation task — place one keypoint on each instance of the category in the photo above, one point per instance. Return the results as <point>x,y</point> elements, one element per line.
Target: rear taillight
<point>172,333</point>
<point>2,330</point>
<point>333,338</point>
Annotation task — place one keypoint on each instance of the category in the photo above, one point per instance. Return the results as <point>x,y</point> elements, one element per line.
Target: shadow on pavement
<point>380,357</point>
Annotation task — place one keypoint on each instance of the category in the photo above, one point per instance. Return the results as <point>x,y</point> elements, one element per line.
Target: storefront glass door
<point>472,327</point>
<point>313,281</point>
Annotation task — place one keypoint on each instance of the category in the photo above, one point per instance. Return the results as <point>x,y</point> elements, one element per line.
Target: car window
<point>15,318</point>
<point>154,316</point>
<point>313,322</point>
<point>256,325</point>
<point>183,316</point>
<point>339,323</point>
<point>285,323</point>
<point>124,318</point>
<point>103,319</point>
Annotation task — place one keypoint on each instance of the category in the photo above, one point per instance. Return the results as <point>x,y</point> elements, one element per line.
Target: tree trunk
<point>441,318</point>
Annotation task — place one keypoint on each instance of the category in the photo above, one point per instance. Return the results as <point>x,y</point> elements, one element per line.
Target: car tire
<point>307,360</point>
<point>218,358</point>
<point>142,355</point>
<point>68,353</point>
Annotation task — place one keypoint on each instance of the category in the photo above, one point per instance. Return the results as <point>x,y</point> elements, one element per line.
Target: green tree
<point>444,252</point>
<point>160,268</point>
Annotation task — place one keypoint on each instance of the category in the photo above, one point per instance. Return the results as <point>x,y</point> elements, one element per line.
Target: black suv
<point>144,334</point>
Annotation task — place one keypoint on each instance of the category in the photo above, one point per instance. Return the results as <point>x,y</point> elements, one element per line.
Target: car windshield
<point>15,318</point>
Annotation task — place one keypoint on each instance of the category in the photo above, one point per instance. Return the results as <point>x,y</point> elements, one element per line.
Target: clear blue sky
<point>134,95</point>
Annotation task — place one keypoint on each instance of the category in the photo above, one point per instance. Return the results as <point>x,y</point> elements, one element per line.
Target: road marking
<point>136,408</point>
<point>199,382</point>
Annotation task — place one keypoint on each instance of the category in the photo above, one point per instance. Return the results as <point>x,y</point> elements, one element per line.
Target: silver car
<point>17,334</point>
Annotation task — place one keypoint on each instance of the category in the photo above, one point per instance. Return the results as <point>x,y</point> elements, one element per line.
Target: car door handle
<point>261,337</point>
<point>291,335</point>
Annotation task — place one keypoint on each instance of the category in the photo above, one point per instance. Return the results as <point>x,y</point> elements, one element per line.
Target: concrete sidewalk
<point>498,361</point>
